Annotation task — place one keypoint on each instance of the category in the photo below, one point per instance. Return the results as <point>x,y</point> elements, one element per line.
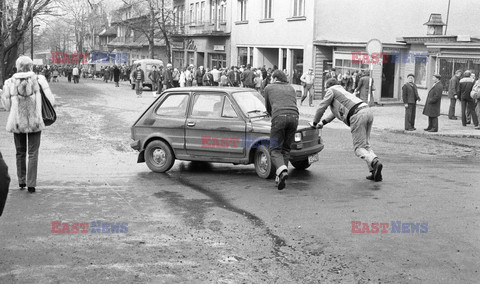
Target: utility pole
<point>448,14</point>
<point>31,32</point>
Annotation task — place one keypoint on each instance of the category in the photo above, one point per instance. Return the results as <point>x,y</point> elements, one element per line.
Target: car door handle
<point>191,123</point>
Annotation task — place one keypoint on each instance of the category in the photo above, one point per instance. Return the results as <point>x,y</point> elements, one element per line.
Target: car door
<point>213,127</point>
<point>167,120</point>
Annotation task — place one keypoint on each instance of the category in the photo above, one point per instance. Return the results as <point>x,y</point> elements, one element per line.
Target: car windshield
<point>251,103</point>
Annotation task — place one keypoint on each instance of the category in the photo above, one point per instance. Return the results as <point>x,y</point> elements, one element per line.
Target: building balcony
<point>210,28</point>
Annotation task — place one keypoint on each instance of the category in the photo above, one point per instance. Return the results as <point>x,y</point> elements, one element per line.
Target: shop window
<point>178,59</point>
<point>242,56</point>
<point>343,66</point>
<point>218,60</point>
<point>421,71</point>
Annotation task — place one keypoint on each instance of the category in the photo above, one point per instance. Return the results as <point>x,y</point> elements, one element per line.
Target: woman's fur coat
<point>22,97</point>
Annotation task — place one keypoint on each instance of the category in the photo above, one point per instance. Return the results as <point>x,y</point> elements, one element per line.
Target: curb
<point>433,134</point>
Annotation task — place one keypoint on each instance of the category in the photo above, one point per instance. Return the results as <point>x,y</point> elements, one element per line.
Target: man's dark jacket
<point>434,98</point>
<point>410,93</point>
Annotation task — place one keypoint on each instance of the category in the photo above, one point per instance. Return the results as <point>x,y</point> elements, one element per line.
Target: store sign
<point>219,47</point>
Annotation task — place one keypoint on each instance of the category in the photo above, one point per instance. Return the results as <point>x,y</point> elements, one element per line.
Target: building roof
<point>111,31</point>
<point>356,44</point>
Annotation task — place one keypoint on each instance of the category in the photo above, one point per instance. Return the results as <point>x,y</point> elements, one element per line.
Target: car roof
<point>148,61</point>
<point>229,90</point>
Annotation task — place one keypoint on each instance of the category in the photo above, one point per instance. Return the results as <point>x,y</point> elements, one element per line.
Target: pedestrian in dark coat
<point>468,103</point>
<point>432,105</point>
<point>454,93</point>
<point>4,183</point>
<point>116,75</point>
<point>410,98</point>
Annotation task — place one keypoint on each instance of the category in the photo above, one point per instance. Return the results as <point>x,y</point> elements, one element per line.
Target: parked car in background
<point>222,125</point>
<point>147,67</point>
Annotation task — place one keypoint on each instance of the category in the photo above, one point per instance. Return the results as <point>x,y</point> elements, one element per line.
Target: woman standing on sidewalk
<point>22,97</point>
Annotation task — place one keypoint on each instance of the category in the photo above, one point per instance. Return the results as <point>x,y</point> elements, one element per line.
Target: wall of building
<point>361,20</point>
<point>282,31</point>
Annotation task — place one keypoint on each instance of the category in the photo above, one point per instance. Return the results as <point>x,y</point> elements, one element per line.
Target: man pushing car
<point>358,116</point>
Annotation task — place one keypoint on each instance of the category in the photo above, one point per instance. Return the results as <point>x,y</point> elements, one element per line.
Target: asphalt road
<point>216,223</point>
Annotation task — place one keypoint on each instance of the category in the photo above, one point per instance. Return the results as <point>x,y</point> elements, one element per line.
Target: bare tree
<point>15,21</point>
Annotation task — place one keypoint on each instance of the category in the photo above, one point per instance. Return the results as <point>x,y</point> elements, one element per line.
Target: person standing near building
<point>281,104</point>
<point>76,75</point>
<point>308,80</point>
<point>168,77</point>
<point>176,77</point>
<point>154,76</point>
<point>116,75</point>
<point>207,79</point>
<point>247,77</point>
<point>22,96</point>
<point>106,74</point>
<point>358,116</point>
<point>432,104</point>
<point>216,76</point>
<point>139,76</point>
<point>466,86</point>
<point>199,75</point>
<point>410,97</point>
<point>453,93</point>
<point>182,81</point>
<point>233,77</point>
<point>189,76</point>
<point>366,89</point>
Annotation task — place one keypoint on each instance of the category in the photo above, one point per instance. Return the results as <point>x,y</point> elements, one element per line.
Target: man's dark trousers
<point>282,134</point>
<point>410,113</point>
<point>470,106</point>
<point>451,110</point>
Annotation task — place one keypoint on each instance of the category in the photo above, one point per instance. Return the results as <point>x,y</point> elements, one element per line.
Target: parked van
<point>147,67</point>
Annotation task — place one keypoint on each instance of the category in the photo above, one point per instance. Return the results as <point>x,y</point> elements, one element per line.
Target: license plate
<point>313,158</point>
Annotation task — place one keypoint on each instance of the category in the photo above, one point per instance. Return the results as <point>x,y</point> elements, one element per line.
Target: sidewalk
<point>391,118</point>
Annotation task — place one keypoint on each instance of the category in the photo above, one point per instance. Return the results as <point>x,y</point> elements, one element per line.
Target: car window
<point>228,110</point>
<point>251,103</point>
<point>206,105</point>
<point>173,105</point>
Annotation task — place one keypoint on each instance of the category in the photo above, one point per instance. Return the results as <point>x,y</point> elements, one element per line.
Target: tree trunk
<point>151,37</point>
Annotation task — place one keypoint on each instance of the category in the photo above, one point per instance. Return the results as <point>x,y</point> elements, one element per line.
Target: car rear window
<point>173,105</point>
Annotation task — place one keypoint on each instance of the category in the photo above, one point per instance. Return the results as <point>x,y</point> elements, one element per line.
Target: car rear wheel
<point>301,165</point>
<point>159,157</point>
<point>263,163</point>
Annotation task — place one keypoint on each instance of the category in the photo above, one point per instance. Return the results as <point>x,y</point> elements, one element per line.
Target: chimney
<point>435,25</point>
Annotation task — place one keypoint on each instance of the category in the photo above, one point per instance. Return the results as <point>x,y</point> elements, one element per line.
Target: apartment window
<point>178,59</point>
<point>421,71</point>
<point>202,12</point>
<point>298,8</point>
<point>192,14</point>
<point>267,9</point>
<point>197,13</point>
<point>223,13</point>
<point>242,9</point>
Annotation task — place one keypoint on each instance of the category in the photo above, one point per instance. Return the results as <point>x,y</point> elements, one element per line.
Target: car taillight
<point>298,137</point>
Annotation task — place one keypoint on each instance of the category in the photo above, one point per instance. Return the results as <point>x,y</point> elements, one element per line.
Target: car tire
<point>301,165</point>
<point>263,163</point>
<point>159,156</point>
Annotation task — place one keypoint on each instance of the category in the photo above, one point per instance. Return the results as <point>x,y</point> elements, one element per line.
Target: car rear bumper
<point>302,154</point>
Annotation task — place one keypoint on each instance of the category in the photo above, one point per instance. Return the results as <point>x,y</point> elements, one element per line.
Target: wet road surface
<point>220,223</point>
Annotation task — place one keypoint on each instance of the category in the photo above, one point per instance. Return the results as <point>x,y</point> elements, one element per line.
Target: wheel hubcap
<point>159,156</point>
<point>262,162</point>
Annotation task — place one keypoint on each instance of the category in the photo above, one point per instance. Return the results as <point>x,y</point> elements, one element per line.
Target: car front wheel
<point>159,157</point>
<point>301,165</point>
<point>263,163</point>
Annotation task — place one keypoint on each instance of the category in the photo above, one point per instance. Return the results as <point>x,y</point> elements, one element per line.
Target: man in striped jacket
<point>358,116</point>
